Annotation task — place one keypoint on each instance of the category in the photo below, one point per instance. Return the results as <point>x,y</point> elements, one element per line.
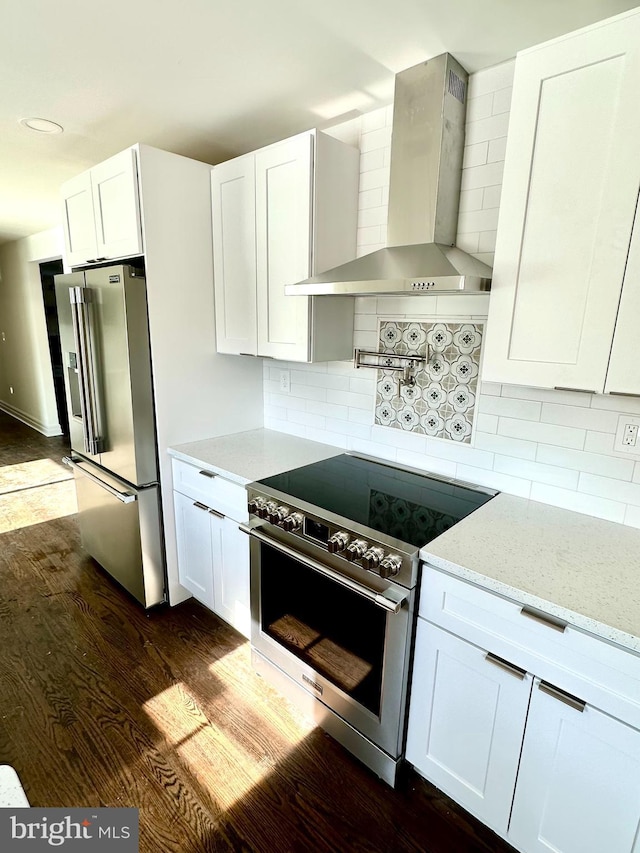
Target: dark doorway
<point>48,270</point>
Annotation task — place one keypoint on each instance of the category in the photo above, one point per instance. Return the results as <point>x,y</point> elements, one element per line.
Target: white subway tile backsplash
<point>321,380</point>
<point>349,398</point>
<point>365,339</point>
<point>502,100</point>
<point>308,392</point>
<point>430,464</point>
<point>372,216</point>
<point>370,198</point>
<point>373,120</point>
<point>326,437</point>
<point>408,440</point>
<point>580,460</point>
<point>288,402</point>
<point>307,419</point>
<point>636,472</point>
<point>579,502</point>
<point>482,176</point>
<point>494,480</point>
<point>372,160</point>
<point>507,446</point>
<point>366,305</point>
<point>460,453</point>
<point>615,403</point>
<point>536,471</point>
<point>362,385</point>
<point>372,448</point>
<point>481,107</point>
<point>547,395</point>
<point>374,139</point>
<point>475,155</point>
<point>497,149</point>
<point>360,416</point>
<point>375,178</point>
<point>528,410</point>
<point>492,79</point>
<point>471,200</point>
<point>577,416</point>
<point>599,442</point>
<point>632,516</point>
<point>330,410</point>
<point>562,436</point>
<point>468,242</point>
<point>461,304</point>
<point>348,428</point>
<point>478,220</point>
<point>372,234</point>
<point>487,241</point>
<point>365,322</point>
<point>486,129</point>
<point>492,388</point>
<point>486,423</point>
<point>491,196</point>
<point>605,487</point>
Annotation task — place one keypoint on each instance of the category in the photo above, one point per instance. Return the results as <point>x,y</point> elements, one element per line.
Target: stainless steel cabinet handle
<point>80,297</point>
<point>504,664</point>
<point>579,390</point>
<point>201,506</point>
<point>544,619</point>
<point>208,474</point>
<point>123,497</point>
<point>567,698</point>
<point>216,513</point>
<point>378,598</point>
<point>622,394</point>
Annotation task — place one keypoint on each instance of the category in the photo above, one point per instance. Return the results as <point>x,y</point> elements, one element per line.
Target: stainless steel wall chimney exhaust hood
<point>427,145</point>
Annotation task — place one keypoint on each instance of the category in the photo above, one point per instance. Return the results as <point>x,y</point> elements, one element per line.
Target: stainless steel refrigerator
<point>104,334</point>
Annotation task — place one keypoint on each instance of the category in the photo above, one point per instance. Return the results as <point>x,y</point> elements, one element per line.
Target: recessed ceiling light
<point>41,125</point>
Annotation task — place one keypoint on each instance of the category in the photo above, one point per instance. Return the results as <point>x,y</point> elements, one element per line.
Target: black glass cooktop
<point>414,508</point>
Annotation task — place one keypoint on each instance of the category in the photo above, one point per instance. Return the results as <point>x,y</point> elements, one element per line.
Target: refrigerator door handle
<point>123,497</point>
<point>80,296</point>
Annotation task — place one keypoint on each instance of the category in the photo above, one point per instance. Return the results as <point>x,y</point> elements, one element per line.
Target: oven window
<point>332,629</point>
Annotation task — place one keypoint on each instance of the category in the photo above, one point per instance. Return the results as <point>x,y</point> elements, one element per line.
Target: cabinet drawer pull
<point>207,474</point>
<point>622,394</point>
<point>216,513</point>
<point>201,506</point>
<point>578,390</point>
<point>544,619</point>
<point>567,698</point>
<point>504,664</point>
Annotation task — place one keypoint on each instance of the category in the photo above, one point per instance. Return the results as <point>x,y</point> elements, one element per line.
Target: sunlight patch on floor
<point>33,506</point>
<point>209,749</point>
<point>26,475</point>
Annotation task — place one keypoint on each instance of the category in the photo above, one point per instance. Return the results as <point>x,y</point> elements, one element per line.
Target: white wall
<point>25,361</point>
<point>552,446</point>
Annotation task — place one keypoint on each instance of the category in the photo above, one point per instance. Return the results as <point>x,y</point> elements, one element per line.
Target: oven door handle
<point>381,599</point>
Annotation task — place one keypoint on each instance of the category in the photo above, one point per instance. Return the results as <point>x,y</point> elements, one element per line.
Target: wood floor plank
<point>103,704</point>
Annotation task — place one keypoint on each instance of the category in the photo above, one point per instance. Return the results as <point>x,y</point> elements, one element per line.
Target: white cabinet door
<point>231,575</point>
<point>116,206</point>
<point>623,376</point>
<point>570,186</point>
<point>283,245</point>
<point>466,722</point>
<point>234,255</point>
<point>195,553</point>
<point>77,220</point>
<point>578,786</point>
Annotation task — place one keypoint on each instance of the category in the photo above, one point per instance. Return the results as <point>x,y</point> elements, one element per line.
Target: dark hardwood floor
<point>102,704</point>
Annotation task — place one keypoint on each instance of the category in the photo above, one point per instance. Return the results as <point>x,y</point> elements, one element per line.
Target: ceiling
<point>214,78</point>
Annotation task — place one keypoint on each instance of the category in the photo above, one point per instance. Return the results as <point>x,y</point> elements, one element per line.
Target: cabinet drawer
<point>582,664</point>
<point>211,489</point>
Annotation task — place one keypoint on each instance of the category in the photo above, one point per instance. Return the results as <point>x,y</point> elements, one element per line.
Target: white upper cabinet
<point>569,194</point>
<point>101,212</point>
<point>281,214</point>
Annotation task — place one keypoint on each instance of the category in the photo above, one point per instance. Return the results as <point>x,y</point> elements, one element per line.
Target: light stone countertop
<point>581,569</point>
<point>247,456</point>
<point>12,794</point>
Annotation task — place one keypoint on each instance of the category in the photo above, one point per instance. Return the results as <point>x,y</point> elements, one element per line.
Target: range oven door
<point>339,632</point>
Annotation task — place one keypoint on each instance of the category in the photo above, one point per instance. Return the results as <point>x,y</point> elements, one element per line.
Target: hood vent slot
<point>457,88</point>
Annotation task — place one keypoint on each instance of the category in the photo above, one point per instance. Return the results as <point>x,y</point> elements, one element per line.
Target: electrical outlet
<point>627,438</point>
<point>285,381</point>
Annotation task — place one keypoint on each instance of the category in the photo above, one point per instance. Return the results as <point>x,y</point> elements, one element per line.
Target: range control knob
<point>372,557</point>
<point>256,505</point>
<point>278,514</point>
<point>338,542</point>
<point>356,550</point>
<point>266,509</point>
<point>390,566</point>
<point>293,522</point>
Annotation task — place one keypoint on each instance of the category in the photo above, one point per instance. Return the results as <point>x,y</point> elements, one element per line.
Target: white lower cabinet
<point>213,553</point>
<point>468,711</point>
<point>507,739</point>
<point>578,785</point>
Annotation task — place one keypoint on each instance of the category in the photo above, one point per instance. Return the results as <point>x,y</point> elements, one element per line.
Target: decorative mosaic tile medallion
<point>441,403</point>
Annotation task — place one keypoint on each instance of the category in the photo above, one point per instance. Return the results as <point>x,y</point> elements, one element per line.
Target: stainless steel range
<point>334,573</point>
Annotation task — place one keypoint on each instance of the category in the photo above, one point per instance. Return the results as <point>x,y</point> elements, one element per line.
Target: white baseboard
<point>46,429</point>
